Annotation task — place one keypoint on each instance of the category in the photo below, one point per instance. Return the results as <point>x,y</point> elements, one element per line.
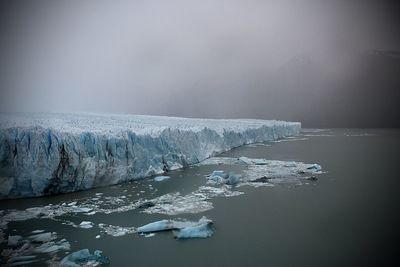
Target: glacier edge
<point>51,153</point>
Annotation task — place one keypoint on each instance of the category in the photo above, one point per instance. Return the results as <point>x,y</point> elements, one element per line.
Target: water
<point>348,217</point>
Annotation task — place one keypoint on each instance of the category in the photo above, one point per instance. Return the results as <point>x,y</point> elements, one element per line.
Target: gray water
<point>346,218</point>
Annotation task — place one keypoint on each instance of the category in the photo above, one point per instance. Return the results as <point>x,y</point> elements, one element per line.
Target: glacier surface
<point>51,153</point>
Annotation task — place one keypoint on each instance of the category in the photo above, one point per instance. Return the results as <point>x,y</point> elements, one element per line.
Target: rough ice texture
<point>50,153</point>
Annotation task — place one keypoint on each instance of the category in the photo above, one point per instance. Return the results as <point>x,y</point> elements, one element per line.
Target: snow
<point>50,153</point>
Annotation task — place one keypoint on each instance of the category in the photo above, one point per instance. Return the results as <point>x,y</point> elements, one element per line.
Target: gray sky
<point>236,58</point>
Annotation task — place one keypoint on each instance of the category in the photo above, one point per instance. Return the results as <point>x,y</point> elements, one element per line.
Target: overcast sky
<point>208,58</point>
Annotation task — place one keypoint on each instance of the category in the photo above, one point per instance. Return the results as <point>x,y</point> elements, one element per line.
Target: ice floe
<point>202,230</point>
<point>114,230</point>
<point>258,172</point>
<point>86,224</point>
<point>21,251</point>
<point>84,258</point>
<point>182,228</point>
<point>161,178</point>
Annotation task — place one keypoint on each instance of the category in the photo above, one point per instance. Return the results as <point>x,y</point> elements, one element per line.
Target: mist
<point>324,63</point>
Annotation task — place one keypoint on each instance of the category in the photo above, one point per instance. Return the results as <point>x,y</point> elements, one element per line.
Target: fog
<point>293,60</point>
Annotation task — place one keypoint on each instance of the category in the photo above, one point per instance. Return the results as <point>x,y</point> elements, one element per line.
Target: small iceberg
<point>181,229</point>
<point>203,230</point>
<point>84,258</point>
<point>315,167</point>
<point>21,260</point>
<point>251,161</point>
<point>114,230</point>
<point>221,177</point>
<point>86,224</point>
<point>158,226</point>
<point>161,178</point>
<point>53,247</point>
<point>43,237</point>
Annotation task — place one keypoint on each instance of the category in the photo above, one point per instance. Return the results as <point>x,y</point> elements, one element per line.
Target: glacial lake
<point>347,217</point>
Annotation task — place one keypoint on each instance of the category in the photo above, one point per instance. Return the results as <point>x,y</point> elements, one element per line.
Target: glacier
<point>51,153</point>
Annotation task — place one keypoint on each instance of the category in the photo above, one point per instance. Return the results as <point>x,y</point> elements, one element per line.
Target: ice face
<point>43,154</point>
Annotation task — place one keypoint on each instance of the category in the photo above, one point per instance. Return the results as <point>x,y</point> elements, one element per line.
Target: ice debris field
<point>51,153</point>
<point>41,246</point>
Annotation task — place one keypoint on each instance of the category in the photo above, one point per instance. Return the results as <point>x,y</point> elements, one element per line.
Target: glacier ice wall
<point>50,153</point>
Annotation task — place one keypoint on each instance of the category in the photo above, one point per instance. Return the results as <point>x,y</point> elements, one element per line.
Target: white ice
<point>50,153</point>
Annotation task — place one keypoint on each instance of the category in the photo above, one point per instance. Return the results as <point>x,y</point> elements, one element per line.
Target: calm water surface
<point>349,217</point>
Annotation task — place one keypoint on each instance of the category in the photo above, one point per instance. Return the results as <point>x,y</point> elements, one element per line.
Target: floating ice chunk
<point>37,231</point>
<point>250,161</point>
<point>314,167</point>
<point>220,161</point>
<point>223,191</point>
<point>81,209</point>
<point>262,172</point>
<point>114,230</point>
<point>175,203</point>
<point>162,225</point>
<point>86,224</point>
<point>53,247</point>
<point>21,260</point>
<point>174,166</point>
<point>43,237</point>
<point>14,240</point>
<point>217,177</point>
<point>203,230</point>
<point>184,229</point>
<point>221,174</point>
<point>149,235</point>
<point>84,258</point>
<point>221,177</point>
<point>97,236</point>
<point>233,179</point>
<point>161,178</point>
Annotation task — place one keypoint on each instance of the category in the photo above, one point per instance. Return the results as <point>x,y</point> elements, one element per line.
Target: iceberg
<point>181,229</point>
<point>84,258</point>
<point>158,226</point>
<point>51,153</point>
<point>86,224</point>
<point>203,230</point>
<point>161,178</point>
